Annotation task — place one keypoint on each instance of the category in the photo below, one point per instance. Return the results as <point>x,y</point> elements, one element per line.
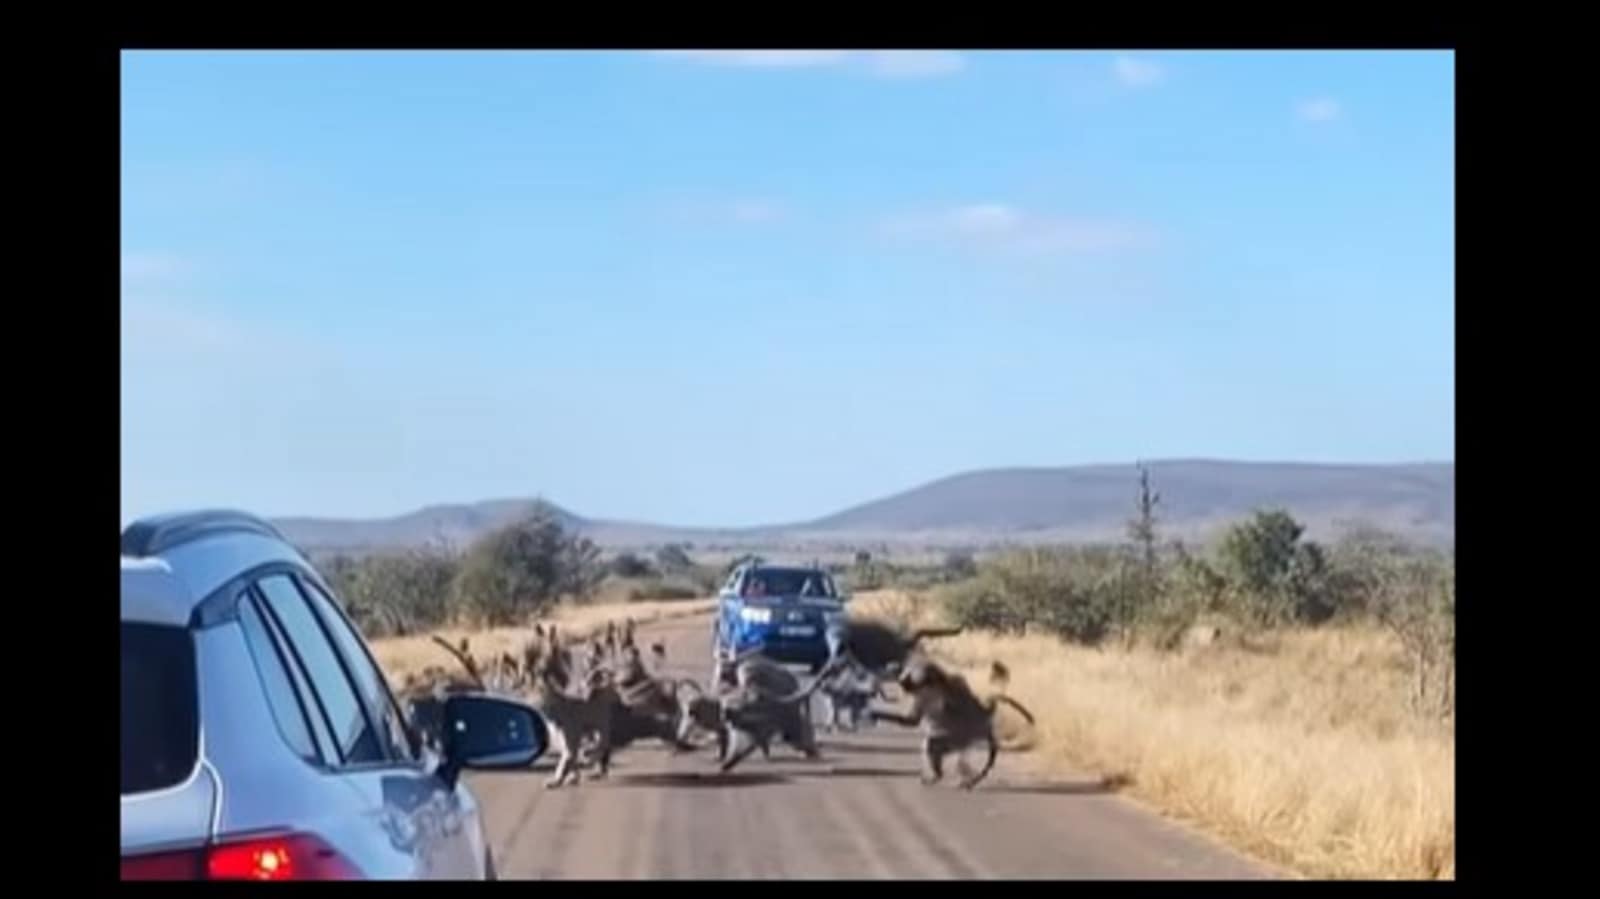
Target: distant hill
<point>460,523</point>
<point>1078,503</point>
<point>457,524</point>
<point>1093,501</point>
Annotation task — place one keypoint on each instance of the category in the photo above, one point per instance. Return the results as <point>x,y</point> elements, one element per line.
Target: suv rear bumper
<point>789,651</point>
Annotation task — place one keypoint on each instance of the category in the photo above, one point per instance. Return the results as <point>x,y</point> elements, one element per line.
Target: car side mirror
<point>488,733</point>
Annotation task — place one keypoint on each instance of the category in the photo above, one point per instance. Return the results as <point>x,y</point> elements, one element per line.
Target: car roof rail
<point>159,533</point>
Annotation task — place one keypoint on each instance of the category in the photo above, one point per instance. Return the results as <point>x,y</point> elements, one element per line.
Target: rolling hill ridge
<point>1071,503</point>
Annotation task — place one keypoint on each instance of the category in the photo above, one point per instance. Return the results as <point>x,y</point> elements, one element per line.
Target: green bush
<point>980,604</point>
<point>707,578</point>
<point>959,565</point>
<point>1412,592</point>
<point>395,594</point>
<point>630,565</point>
<point>659,589</point>
<point>519,570</point>
<point>1278,576</point>
<point>673,559</point>
<point>1070,592</point>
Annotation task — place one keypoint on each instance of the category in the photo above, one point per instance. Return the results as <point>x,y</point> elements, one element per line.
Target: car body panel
<point>205,566</point>
<point>179,817</point>
<point>153,594</point>
<point>391,819</point>
<point>386,833</point>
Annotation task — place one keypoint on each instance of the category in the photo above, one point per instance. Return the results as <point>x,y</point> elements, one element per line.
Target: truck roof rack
<point>159,533</point>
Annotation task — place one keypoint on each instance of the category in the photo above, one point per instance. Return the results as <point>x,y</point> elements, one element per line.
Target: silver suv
<point>261,741</point>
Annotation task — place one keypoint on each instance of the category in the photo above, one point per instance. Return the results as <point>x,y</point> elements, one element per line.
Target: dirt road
<point>859,812</point>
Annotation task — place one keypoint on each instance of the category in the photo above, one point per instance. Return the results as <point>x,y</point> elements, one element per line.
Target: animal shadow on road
<point>857,771</point>
<point>870,748</point>
<point>542,766</point>
<point>698,779</point>
<point>1100,786</point>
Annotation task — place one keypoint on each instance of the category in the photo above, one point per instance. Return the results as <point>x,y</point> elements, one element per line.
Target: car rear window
<point>160,715</point>
<point>787,582</point>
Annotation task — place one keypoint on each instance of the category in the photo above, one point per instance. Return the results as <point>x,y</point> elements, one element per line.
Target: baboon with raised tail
<point>952,717</point>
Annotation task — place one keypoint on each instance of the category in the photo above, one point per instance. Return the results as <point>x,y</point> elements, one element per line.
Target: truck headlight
<point>756,616</point>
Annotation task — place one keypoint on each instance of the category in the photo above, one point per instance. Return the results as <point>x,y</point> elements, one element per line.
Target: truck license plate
<point>797,630</point>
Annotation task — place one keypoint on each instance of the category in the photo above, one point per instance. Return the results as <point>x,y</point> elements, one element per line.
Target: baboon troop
<point>598,695</point>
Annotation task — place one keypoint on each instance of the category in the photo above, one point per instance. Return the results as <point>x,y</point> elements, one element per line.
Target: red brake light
<point>282,857</point>
<point>251,861</point>
<point>285,857</point>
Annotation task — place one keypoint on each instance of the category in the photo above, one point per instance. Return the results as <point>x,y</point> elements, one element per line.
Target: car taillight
<point>279,857</point>
<point>299,856</point>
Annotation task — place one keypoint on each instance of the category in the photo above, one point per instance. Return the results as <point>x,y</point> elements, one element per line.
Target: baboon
<point>424,709</point>
<point>554,658</point>
<point>705,712</point>
<point>634,684</point>
<point>422,697</point>
<point>880,648</point>
<point>750,717</point>
<point>764,700</point>
<point>756,671</point>
<point>851,691</point>
<point>509,673</point>
<point>643,706</point>
<point>463,654</point>
<point>757,676</point>
<point>952,717</point>
<point>571,718</point>
<point>530,657</point>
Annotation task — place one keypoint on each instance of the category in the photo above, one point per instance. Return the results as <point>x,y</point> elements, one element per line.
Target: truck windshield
<point>788,582</point>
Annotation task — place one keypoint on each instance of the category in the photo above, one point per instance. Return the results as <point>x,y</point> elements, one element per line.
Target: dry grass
<point>1301,750</point>
<point>402,655</point>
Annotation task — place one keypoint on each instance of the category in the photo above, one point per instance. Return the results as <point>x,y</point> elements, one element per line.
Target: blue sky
<point>733,288</point>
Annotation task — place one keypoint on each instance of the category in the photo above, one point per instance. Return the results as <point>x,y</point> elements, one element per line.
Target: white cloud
<point>903,64</point>
<point>1137,72</point>
<point>984,218</point>
<point>999,226</point>
<point>160,329</point>
<point>754,212</point>
<point>915,63</point>
<point>713,210</point>
<point>766,59</point>
<point>1321,109</point>
<point>142,269</point>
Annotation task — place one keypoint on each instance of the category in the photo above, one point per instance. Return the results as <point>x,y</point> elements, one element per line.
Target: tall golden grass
<point>1299,748</point>
<point>400,656</point>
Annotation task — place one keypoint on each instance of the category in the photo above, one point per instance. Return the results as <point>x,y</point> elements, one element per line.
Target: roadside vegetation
<point>530,570</point>
<point>1295,699</point>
